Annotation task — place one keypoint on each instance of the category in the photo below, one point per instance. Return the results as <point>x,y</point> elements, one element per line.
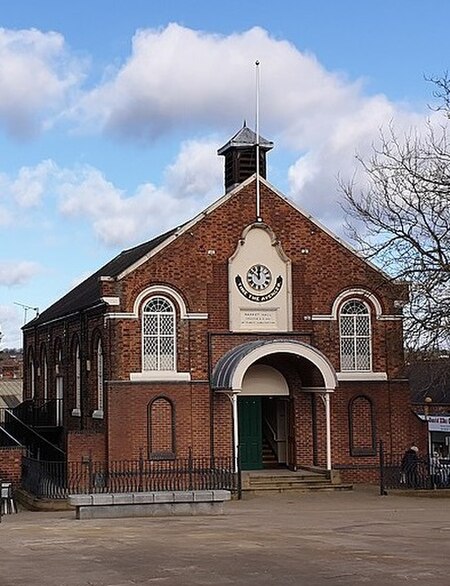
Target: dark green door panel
<point>250,433</point>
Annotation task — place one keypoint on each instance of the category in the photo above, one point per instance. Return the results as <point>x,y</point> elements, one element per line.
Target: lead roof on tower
<point>244,138</point>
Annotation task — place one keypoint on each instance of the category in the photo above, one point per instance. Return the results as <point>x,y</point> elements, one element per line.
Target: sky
<point>111,113</point>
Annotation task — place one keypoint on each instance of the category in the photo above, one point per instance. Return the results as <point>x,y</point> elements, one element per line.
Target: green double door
<point>250,433</point>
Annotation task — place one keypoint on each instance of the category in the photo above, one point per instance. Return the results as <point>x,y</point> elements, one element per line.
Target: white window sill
<point>160,375</point>
<point>76,412</point>
<point>97,414</point>
<point>361,375</point>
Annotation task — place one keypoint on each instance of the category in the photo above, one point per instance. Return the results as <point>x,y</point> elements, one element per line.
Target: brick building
<point>249,329</point>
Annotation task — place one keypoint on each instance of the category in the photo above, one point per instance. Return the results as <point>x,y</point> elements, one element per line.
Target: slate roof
<point>243,138</point>
<point>10,392</point>
<point>88,293</point>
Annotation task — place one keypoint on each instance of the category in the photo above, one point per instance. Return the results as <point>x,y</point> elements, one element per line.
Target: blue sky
<point>111,113</point>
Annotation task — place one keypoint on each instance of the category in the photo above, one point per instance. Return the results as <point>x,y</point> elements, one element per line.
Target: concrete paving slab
<point>330,539</point>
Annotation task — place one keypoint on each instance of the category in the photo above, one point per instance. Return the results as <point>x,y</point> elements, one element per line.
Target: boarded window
<point>161,429</point>
<point>362,427</point>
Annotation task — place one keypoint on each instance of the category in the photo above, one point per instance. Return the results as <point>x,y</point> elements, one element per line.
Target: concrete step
<point>301,481</point>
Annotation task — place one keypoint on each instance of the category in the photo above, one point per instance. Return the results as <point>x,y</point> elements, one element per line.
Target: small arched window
<point>355,336</point>
<point>158,335</point>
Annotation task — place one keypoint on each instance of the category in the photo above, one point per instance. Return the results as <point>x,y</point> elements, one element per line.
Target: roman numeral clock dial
<point>259,277</point>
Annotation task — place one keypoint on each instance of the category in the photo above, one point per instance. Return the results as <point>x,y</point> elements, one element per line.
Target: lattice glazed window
<point>158,335</point>
<point>355,336</point>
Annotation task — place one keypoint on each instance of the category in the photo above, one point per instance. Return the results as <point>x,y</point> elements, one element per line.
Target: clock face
<point>259,277</point>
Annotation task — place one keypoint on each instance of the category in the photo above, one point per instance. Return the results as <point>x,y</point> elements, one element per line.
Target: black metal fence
<point>40,412</point>
<point>56,480</point>
<point>421,473</point>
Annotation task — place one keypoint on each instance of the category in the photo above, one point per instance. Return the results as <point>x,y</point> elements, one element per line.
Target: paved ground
<point>310,539</point>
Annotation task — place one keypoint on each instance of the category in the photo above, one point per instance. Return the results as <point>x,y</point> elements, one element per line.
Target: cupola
<point>240,156</point>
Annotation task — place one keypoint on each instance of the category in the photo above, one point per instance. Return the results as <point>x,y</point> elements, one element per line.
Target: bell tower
<point>240,156</point>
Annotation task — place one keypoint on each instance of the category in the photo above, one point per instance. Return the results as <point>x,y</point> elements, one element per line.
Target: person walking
<point>410,463</point>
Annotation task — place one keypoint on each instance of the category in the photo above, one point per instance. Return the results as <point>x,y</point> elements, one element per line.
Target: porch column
<point>326,401</point>
<point>233,396</point>
<point>328,425</point>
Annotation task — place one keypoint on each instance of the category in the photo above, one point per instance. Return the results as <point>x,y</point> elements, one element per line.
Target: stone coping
<point>147,498</point>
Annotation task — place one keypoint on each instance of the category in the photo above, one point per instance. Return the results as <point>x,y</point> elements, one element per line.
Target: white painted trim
<point>111,300</point>
<point>390,317</point>
<point>319,317</point>
<point>188,316</point>
<point>361,376</point>
<point>160,375</point>
<point>97,414</point>
<point>160,290</point>
<point>76,413</point>
<point>297,348</point>
<point>358,294</point>
<point>196,316</point>
<point>316,390</point>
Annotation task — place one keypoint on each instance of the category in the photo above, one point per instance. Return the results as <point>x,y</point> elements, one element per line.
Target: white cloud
<point>36,76</point>
<point>179,78</point>
<point>11,321</point>
<point>31,183</point>
<point>17,273</point>
<point>190,182</point>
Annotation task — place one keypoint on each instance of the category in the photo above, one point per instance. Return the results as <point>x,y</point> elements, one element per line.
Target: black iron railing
<point>418,474</point>
<point>40,412</point>
<point>56,480</point>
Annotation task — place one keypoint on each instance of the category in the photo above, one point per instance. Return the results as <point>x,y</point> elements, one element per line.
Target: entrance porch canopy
<point>230,369</point>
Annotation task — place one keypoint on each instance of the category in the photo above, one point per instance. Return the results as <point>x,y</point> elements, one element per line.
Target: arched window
<point>44,374</point>
<point>77,378</point>
<point>31,375</point>
<point>99,357</point>
<point>158,335</point>
<point>59,386</point>
<point>355,338</point>
<point>161,429</point>
<point>361,427</point>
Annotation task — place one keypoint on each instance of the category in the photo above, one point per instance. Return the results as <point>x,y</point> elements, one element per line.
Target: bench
<point>149,504</point>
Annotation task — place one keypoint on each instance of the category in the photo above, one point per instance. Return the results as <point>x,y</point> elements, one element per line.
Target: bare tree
<point>401,221</point>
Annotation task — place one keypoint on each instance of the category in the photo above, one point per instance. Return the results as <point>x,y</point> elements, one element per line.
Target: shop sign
<point>438,423</point>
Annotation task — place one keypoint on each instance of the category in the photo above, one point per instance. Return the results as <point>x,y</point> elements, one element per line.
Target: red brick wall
<point>11,465</point>
<point>82,445</point>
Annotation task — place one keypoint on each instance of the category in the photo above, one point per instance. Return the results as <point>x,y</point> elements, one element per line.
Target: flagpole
<point>258,194</point>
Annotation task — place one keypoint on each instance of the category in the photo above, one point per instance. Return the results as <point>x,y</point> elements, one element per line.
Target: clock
<point>259,277</point>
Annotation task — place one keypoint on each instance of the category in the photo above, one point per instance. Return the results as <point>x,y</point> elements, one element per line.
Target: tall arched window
<point>355,336</point>
<point>77,379</point>
<point>31,375</point>
<point>99,356</point>
<point>158,335</point>
<point>44,374</point>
